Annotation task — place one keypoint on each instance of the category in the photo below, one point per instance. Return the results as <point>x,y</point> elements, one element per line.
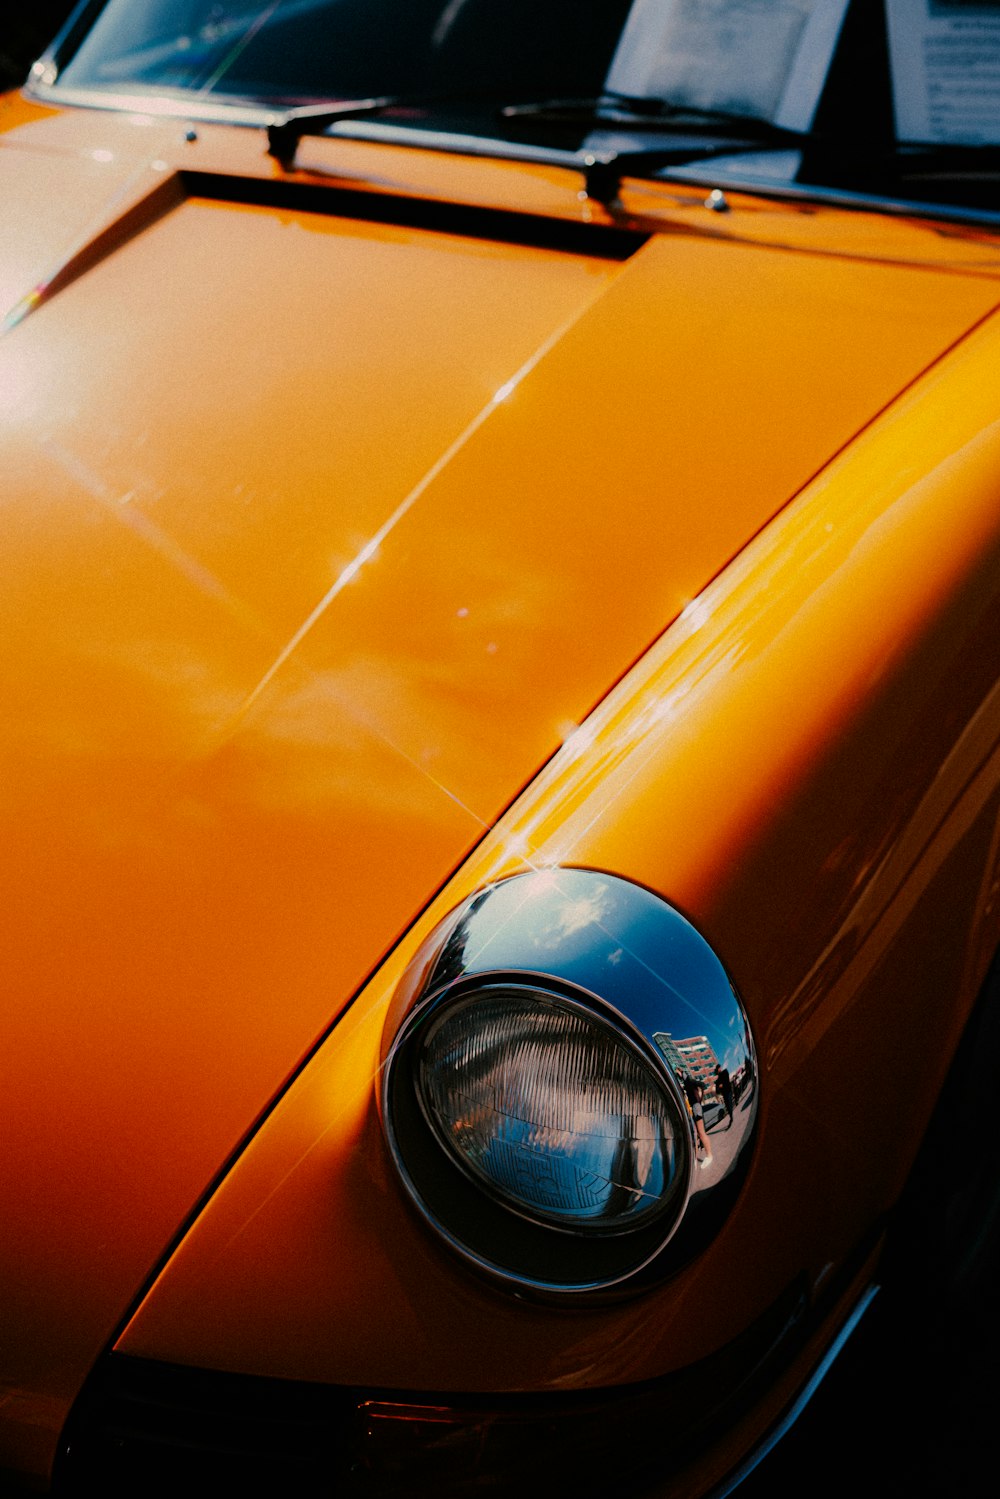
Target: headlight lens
<point>550,1110</point>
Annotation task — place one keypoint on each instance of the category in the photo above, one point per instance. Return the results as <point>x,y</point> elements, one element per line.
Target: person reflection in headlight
<point>724,1088</point>
<point>695,1097</point>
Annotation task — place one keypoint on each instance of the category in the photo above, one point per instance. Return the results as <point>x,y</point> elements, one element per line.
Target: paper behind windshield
<point>764,58</point>
<point>945,58</point>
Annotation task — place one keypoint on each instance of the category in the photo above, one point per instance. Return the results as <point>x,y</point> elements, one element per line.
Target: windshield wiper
<point>697,134</point>
<point>945,159</point>
<point>634,112</point>
<point>285,133</point>
<point>289,127</point>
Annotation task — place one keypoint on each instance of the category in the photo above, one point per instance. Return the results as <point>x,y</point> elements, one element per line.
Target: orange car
<point>501,735</point>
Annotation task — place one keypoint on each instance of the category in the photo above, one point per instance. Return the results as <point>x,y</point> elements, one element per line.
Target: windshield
<point>300,51</point>
<point>898,99</point>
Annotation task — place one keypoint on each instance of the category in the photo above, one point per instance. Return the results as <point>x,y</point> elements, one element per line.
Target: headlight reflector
<point>546,1107</point>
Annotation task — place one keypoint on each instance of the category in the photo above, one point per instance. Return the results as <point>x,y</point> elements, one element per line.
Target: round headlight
<point>540,1059</point>
<point>547,1107</point>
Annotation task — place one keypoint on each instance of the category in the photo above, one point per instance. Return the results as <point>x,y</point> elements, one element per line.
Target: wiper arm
<point>602,173</point>
<point>285,133</point>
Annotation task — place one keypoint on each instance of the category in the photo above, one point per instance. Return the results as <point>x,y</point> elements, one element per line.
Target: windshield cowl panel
<point>544,80</point>
<point>129,155</point>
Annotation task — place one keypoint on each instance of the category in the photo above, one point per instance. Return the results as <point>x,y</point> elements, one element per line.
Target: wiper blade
<point>640,113</point>
<point>945,159</point>
<point>285,133</point>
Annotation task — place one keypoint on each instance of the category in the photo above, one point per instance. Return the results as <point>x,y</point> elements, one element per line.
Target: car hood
<point>322,528</point>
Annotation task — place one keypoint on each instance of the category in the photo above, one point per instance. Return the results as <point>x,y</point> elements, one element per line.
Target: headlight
<point>540,1067</point>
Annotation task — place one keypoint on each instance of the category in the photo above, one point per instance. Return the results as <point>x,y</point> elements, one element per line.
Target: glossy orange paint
<point>301,510</point>
<point>711,731</point>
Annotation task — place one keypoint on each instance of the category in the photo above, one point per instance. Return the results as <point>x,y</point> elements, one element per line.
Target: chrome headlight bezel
<point>630,966</point>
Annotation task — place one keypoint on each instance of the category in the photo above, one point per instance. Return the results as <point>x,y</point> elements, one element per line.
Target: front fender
<point>806,764</point>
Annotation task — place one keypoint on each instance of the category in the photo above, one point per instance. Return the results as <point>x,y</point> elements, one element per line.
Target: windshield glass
<point>898,99</point>
<point>300,51</point>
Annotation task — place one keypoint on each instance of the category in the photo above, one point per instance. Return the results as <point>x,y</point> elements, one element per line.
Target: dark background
<point>903,1413</point>
<point>23,37</point>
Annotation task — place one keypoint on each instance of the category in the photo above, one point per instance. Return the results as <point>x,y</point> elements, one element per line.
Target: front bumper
<point>142,1427</point>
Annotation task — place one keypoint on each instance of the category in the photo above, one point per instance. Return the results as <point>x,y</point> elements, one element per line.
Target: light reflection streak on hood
<point>370,549</point>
